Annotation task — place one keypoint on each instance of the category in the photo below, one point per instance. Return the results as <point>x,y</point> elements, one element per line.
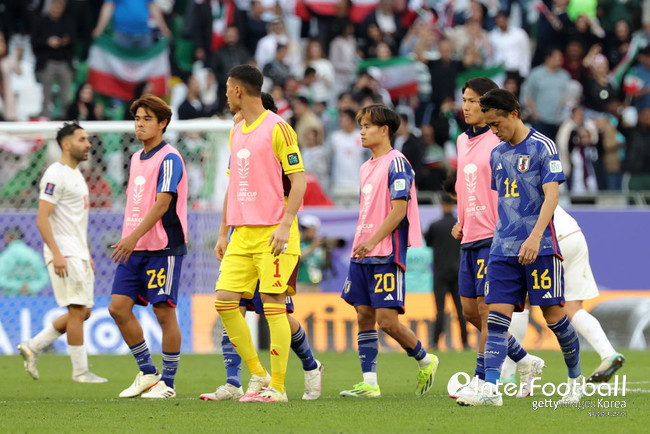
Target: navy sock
<point>231,361</point>
<point>300,346</point>
<point>143,357</point>
<point>418,352</point>
<point>170,365</point>
<point>568,339</point>
<point>480,366</point>
<point>368,349</point>
<point>496,346</point>
<point>515,351</point>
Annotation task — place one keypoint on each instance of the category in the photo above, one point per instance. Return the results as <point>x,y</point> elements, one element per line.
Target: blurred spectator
<point>347,155</point>
<point>574,56</point>
<point>565,134</point>
<point>345,58</point>
<point>587,31</point>
<point>53,47</point>
<point>254,28</point>
<point>446,262</point>
<point>314,156</point>
<point>305,120</point>
<point>277,35</point>
<point>444,72</point>
<point>409,145</point>
<point>208,21</point>
<point>553,27</point>
<point>597,89</point>
<point>434,161</point>
<point>470,39</point>
<point>9,63</point>
<point>510,46</point>
<point>544,93</point>
<point>312,256</point>
<point>387,22</point>
<point>130,22</point>
<point>368,85</point>
<point>369,41</point>
<point>584,155</point>
<point>512,83</point>
<point>618,42</point>
<point>231,54</point>
<point>324,82</point>
<point>637,154</point>
<point>22,270</point>
<point>639,78</point>
<point>84,108</point>
<point>100,191</point>
<point>192,107</point>
<point>284,107</point>
<point>277,69</point>
<point>613,145</point>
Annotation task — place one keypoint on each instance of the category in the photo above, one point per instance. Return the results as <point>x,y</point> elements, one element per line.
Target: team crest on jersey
<point>524,163</point>
<point>293,159</point>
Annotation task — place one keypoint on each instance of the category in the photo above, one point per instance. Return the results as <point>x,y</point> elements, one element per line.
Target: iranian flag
<point>398,75</point>
<point>115,71</point>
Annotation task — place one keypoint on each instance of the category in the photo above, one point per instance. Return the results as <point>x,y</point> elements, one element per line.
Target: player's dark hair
<point>268,102</point>
<point>501,100</point>
<point>155,105</point>
<point>449,184</point>
<point>249,77</point>
<point>480,85</point>
<point>66,130</point>
<point>380,115</point>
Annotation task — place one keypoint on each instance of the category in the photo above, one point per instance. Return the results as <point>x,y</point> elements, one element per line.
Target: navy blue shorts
<point>509,281</point>
<point>255,304</point>
<point>473,271</point>
<point>375,285</point>
<point>149,279</point>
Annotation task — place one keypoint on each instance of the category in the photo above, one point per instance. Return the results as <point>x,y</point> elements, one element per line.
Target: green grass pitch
<point>56,404</point>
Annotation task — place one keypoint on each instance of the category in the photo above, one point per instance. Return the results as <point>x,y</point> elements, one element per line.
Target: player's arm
<point>222,240</point>
<point>45,210</point>
<point>530,247</point>
<point>124,248</point>
<point>280,236</point>
<point>392,220</point>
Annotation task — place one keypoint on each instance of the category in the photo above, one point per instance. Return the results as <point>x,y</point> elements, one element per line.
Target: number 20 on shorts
<point>384,282</point>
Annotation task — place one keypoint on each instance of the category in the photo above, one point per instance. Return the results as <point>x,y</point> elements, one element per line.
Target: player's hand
<point>60,265</point>
<point>361,250</point>
<point>123,249</point>
<point>529,249</point>
<point>279,240</point>
<point>220,247</point>
<point>457,231</point>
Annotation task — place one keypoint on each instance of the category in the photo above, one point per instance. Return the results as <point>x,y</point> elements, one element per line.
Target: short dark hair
<point>380,115</point>
<point>501,100</point>
<point>449,184</point>
<point>349,113</point>
<point>268,102</point>
<point>66,130</point>
<point>480,85</point>
<point>154,104</point>
<point>250,77</point>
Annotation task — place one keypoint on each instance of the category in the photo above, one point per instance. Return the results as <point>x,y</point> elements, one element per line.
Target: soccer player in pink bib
<point>150,253</point>
<point>388,224</point>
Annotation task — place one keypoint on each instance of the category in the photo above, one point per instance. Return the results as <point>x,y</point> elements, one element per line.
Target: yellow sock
<point>276,315</point>
<point>240,334</point>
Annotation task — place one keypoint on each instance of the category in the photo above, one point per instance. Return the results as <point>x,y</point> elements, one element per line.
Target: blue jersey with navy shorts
<point>378,281</point>
<point>518,175</point>
<point>153,276</point>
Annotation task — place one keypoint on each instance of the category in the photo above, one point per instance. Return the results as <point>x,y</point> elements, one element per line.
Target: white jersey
<point>348,156</point>
<point>66,188</point>
<point>564,223</point>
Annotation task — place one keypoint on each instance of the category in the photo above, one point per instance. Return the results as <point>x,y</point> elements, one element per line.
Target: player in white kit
<point>62,220</point>
<point>579,285</point>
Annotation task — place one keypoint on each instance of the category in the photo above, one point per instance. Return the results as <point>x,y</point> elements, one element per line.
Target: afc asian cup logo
<point>243,165</point>
<point>138,190</point>
<point>471,175</point>
<point>524,163</point>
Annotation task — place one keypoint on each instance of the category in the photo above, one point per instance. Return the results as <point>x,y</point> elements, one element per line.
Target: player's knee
<point>88,312</point>
<point>117,313</point>
<point>472,317</point>
<point>388,325</point>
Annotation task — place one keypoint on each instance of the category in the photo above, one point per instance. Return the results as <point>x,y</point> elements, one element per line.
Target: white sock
<point>79,359</point>
<point>44,338</point>
<point>424,362</point>
<point>589,327</point>
<point>370,378</point>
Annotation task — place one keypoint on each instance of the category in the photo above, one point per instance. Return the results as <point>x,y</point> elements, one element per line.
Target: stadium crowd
<point>581,69</point>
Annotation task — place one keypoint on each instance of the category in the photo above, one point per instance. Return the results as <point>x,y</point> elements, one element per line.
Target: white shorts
<point>78,287</point>
<point>579,282</point>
